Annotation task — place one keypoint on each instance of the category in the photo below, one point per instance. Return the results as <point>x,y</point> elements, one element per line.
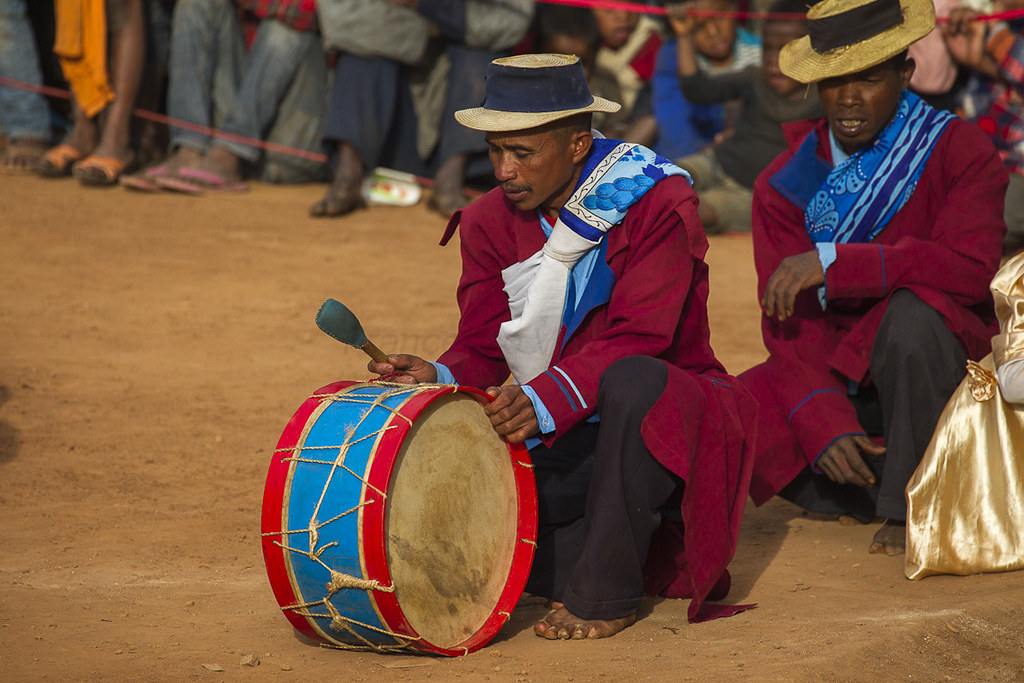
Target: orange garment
<point>81,45</point>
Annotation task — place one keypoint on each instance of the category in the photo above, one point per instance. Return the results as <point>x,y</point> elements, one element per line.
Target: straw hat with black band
<point>847,36</point>
<point>527,91</point>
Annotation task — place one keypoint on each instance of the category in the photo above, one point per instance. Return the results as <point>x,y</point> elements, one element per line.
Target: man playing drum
<point>583,277</point>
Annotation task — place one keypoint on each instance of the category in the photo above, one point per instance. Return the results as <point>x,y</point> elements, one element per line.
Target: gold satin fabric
<point>965,502</point>
<point>81,45</point>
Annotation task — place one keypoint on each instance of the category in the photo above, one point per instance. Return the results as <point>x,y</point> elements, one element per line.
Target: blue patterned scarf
<point>616,175</point>
<point>861,195</point>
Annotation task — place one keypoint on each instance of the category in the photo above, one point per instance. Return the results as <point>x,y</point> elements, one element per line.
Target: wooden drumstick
<point>338,322</point>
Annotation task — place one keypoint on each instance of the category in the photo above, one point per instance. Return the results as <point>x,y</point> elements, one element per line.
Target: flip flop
<point>99,171</point>
<point>196,181</point>
<point>146,181</point>
<point>57,161</point>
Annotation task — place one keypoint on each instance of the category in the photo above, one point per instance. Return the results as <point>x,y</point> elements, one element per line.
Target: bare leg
<point>447,196</point>
<point>83,131</point>
<point>127,41</point>
<point>77,144</point>
<point>342,194</point>
<point>564,625</point>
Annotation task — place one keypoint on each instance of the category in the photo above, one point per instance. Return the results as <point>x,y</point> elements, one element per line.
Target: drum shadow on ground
<point>10,436</point>
<point>524,616</point>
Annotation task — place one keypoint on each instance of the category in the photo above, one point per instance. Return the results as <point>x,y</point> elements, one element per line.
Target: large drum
<point>394,517</point>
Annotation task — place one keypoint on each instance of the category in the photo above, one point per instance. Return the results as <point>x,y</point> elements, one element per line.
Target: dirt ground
<point>152,348</point>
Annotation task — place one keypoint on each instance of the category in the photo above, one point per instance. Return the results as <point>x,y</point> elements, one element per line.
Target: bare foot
<point>22,156</point>
<point>221,163</point>
<point>562,624</point>
<point>343,194</point>
<point>891,539</point>
<point>183,156</point>
<point>337,202</point>
<point>447,197</point>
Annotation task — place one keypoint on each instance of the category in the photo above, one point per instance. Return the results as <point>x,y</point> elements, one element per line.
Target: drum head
<point>450,522</point>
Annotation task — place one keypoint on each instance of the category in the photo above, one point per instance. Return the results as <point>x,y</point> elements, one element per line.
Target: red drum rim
<point>379,475</point>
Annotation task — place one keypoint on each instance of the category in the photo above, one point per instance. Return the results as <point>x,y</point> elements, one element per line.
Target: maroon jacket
<point>647,297</point>
<point>944,245</point>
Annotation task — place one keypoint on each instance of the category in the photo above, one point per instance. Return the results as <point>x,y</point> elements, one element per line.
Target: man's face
<point>714,37</point>
<point>777,34</point>
<point>615,26</point>
<point>858,106</point>
<point>538,167</point>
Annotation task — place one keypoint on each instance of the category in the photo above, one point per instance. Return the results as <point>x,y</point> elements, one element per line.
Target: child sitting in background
<point>570,30</point>
<point>724,174</point>
<point>722,47</point>
<point>628,48</point>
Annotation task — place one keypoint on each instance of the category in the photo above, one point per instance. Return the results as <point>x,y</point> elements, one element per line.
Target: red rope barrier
<point>177,123</point>
<point>318,157</point>
<point>737,14</point>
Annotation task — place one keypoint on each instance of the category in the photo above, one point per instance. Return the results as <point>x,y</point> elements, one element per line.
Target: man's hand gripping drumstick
<point>338,322</point>
<point>511,412</point>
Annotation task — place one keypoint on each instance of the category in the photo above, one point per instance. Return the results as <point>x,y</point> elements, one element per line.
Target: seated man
<point>403,67</point>
<point>273,92</point>
<point>875,237</point>
<point>583,277</point>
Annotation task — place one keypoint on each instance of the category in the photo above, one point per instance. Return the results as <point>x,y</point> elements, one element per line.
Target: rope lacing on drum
<point>340,580</point>
<point>344,624</point>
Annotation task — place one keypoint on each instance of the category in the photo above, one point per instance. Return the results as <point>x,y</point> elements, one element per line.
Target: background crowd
<point>329,90</point>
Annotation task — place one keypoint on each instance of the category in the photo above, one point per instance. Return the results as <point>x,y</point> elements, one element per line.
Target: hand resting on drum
<point>511,413</point>
<point>405,368</point>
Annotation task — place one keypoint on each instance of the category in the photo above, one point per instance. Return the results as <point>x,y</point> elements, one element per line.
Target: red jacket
<point>647,297</point>
<point>944,245</point>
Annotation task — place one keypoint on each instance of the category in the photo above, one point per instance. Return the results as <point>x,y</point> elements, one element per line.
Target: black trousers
<point>372,110</point>
<point>916,365</point>
<point>601,492</point>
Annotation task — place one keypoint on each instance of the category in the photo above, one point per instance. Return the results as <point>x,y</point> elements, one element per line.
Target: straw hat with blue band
<point>847,36</point>
<point>527,91</point>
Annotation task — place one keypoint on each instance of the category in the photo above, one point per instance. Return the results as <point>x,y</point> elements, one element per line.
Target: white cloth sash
<point>536,290</point>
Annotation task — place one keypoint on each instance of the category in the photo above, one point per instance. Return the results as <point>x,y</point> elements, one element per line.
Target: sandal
<point>195,181</point>
<point>99,171</point>
<point>57,161</point>
<point>146,181</point>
